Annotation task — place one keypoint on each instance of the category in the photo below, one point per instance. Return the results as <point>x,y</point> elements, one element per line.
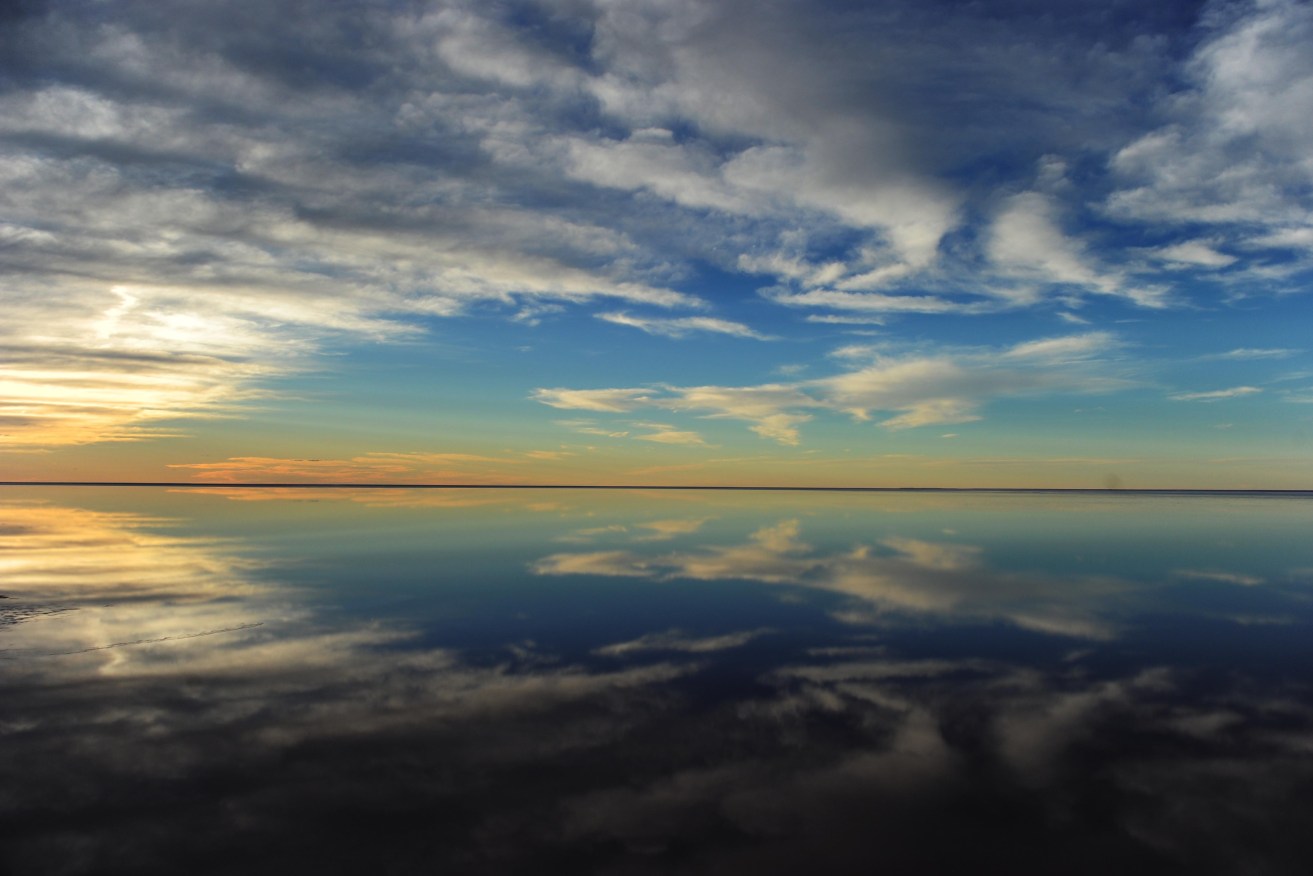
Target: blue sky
<point>656,241</point>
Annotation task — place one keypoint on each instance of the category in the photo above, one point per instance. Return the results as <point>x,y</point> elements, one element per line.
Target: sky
<point>782,242</point>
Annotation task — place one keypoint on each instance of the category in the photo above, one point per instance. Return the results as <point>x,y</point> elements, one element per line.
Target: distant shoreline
<point>367,486</point>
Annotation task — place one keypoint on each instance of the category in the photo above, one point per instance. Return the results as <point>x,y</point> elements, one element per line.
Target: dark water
<point>664,682</point>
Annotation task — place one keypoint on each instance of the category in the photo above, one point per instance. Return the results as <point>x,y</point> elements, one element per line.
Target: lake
<point>665,681</point>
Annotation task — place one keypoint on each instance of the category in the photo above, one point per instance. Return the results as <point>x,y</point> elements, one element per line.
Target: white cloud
<point>678,327</point>
<point>1071,347</point>
<point>687,176</point>
<point>1194,252</point>
<point>916,390</point>
<point>251,292</point>
<point>1258,353</point>
<point>855,351</point>
<point>602,400</point>
<point>836,319</point>
<point>590,427</point>
<point>1026,244</point>
<point>1235,151</point>
<point>874,302</point>
<point>1217,394</point>
<point>456,161</point>
<point>664,433</point>
<point>1283,238</point>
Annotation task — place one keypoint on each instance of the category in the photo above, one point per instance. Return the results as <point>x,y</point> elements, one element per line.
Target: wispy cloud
<point>876,302</point>
<point>841,319</point>
<point>678,640</point>
<point>1065,349</point>
<point>591,427</point>
<point>190,215</point>
<point>1026,243</point>
<point>1233,152</point>
<point>1217,394</point>
<point>1221,577</point>
<point>917,390</point>
<point>600,400</point>
<point>367,468</point>
<point>1194,252</point>
<point>678,327</point>
<point>1258,353</point>
<point>664,433</point>
<point>548,454</point>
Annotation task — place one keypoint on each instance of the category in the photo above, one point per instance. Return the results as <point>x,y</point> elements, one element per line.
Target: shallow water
<point>665,681</point>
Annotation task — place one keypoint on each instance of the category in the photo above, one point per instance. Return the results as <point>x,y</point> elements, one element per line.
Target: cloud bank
<point>196,199</point>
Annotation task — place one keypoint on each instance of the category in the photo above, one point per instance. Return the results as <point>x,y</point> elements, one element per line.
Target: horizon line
<point>726,487</point>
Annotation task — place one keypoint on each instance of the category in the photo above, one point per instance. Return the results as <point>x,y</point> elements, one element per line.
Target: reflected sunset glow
<point>698,680</point>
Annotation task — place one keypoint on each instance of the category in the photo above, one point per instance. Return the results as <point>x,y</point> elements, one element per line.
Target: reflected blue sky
<point>502,681</point>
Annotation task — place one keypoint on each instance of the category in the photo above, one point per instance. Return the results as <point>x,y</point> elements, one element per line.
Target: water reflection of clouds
<point>898,573</point>
<point>139,661</point>
<point>944,763</point>
<point>678,640</point>
<point>318,743</point>
<point>638,531</point>
<point>385,498</point>
<point>1220,577</point>
<point>90,586</point>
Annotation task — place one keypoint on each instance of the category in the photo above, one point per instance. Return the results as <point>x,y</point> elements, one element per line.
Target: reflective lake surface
<point>654,682</point>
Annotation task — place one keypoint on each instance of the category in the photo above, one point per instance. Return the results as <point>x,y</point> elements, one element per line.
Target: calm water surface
<point>654,682</point>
